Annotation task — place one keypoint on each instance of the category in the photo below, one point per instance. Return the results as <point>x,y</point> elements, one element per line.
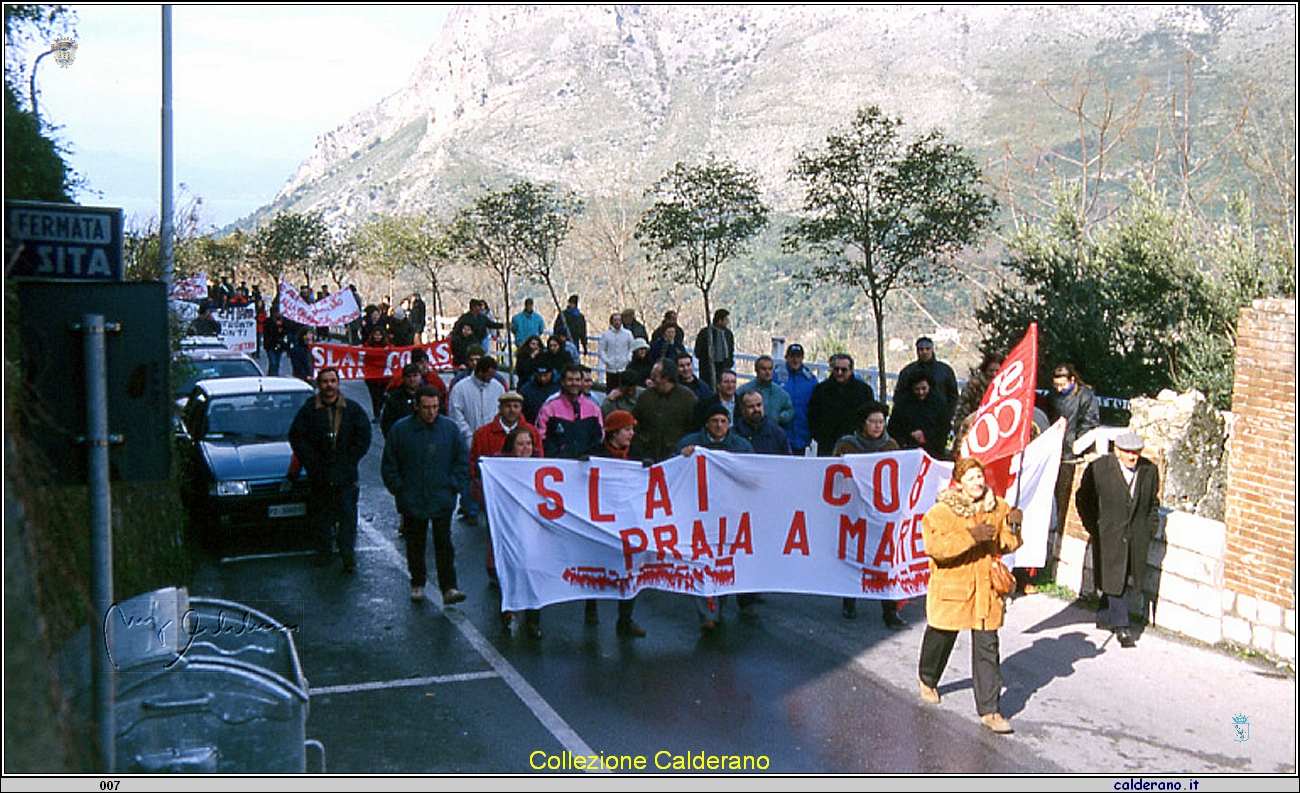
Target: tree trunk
<point>878,308</point>
<point>510,350</point>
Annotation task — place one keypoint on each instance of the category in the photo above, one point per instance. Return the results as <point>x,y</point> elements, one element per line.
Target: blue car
<point>236,454</point>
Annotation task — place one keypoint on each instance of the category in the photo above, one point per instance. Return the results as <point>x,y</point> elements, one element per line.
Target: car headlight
<point>234,487</point>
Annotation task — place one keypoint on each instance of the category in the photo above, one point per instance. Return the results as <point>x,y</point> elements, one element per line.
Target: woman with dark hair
<point>1072,400</point>
<point>527,358</point>
<point>300,362</point>
<point>920,420</point>
<point>520,443</point>
<point>378,384</point>
<point>870,438</point>
<point>972,394</point>
<point>964,533</point>
<point>556,356</point>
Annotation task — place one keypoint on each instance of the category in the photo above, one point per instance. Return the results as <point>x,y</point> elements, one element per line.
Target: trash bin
<point>233,699</point>
<point>205,686</point>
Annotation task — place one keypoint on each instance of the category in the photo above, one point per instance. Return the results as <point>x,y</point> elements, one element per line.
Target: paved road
<point>414,688</point>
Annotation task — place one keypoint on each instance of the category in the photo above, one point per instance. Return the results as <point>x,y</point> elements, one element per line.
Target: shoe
<point>929,694</point>
<point>849,612</point>
<point>452,596</point>
<point>996,723</point>
<point>1030,589</point>
<point>1126,638</point>
<point>417,594</point>
<point>629,628</point>
<point>709,626</point>
<point>894,620</point>
<point>590,616</point>
<point>533,631</point>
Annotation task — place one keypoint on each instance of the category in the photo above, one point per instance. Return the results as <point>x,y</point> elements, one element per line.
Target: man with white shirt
<point>473,403</point>
<point>615,349</point>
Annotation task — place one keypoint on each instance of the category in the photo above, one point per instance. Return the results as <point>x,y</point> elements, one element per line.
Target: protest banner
<point>238,328</point>
<point>193,288</point>
<point>718,523</point>
<point>359,363</point>
<point>330,311</point>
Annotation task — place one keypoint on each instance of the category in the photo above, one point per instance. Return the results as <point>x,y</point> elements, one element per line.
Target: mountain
<point>604,99</point>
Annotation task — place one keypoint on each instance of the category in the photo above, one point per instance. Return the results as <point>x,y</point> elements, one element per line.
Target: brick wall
<point>1260,509</point>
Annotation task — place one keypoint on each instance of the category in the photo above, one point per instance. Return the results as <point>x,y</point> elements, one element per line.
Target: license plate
<point>286,510</point>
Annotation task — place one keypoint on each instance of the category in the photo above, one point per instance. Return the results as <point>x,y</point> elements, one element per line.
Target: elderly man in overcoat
<point>1119,501</point>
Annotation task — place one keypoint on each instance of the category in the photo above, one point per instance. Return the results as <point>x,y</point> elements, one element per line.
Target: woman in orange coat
<point>964,532</point>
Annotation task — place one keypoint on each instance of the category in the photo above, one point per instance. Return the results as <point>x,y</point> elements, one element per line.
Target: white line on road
<point>550,719</point>
<point>408,682</point>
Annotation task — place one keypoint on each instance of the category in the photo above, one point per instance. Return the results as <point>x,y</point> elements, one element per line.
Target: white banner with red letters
<point>718,523</point>
<point>193,288</point>
<point>330,311</point>
<point>357,363</point>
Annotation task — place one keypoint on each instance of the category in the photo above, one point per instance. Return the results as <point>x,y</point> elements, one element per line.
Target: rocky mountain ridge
<point>603,99</point>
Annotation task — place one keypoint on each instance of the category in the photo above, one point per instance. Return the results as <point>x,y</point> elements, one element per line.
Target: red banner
<point>1006,415</point>
<point>373,363</point>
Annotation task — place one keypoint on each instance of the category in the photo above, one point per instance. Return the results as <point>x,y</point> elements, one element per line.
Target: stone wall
<point>1231,580</point>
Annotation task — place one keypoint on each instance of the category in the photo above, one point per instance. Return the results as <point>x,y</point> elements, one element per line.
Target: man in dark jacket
<point>833,406</point>
<point>417,317</point>
<point>400,402</point>
<point>754,426</point>
<point>425,466</point>
<point>330,435</point>
<point>572,323</point>
<point>942,377</point>
<point>715,347</point>
<point>664,413</point>
<point>1119,502</point>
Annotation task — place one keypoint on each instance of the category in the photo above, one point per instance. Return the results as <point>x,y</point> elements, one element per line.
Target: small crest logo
<point>1241,728</point>
<point>65,52</point>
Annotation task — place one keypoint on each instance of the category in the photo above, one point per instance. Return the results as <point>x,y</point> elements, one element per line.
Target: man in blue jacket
<point>799,382</point>
<point>425,466</point>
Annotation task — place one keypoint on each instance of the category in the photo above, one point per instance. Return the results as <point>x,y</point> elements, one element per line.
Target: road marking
<point>254,557</point>
<point>408,682</point>
<point>541,709</point>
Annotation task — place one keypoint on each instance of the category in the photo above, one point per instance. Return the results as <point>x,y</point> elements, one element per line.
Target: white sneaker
<point>417,594</point>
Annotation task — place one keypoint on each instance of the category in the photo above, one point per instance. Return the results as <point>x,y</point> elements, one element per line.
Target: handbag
<point>1003,582</point>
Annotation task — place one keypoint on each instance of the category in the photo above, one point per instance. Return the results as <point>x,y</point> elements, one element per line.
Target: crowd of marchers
<point>662,399</point>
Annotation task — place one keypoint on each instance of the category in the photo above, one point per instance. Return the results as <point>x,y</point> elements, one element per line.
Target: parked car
<point>197,362</point>
<point>236,454</point>
<point>207,363</point>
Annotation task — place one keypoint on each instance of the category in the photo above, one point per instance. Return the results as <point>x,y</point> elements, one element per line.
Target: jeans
<point>273,362</point>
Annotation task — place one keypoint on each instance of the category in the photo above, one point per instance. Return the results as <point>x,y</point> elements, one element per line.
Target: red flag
<point>1002,426</point>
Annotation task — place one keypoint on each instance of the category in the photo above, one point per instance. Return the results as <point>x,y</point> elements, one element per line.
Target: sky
<point>253,87</point>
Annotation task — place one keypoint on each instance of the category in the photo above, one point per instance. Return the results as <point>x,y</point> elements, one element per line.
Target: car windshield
<point>195,371</point>
<point>259,417</point>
